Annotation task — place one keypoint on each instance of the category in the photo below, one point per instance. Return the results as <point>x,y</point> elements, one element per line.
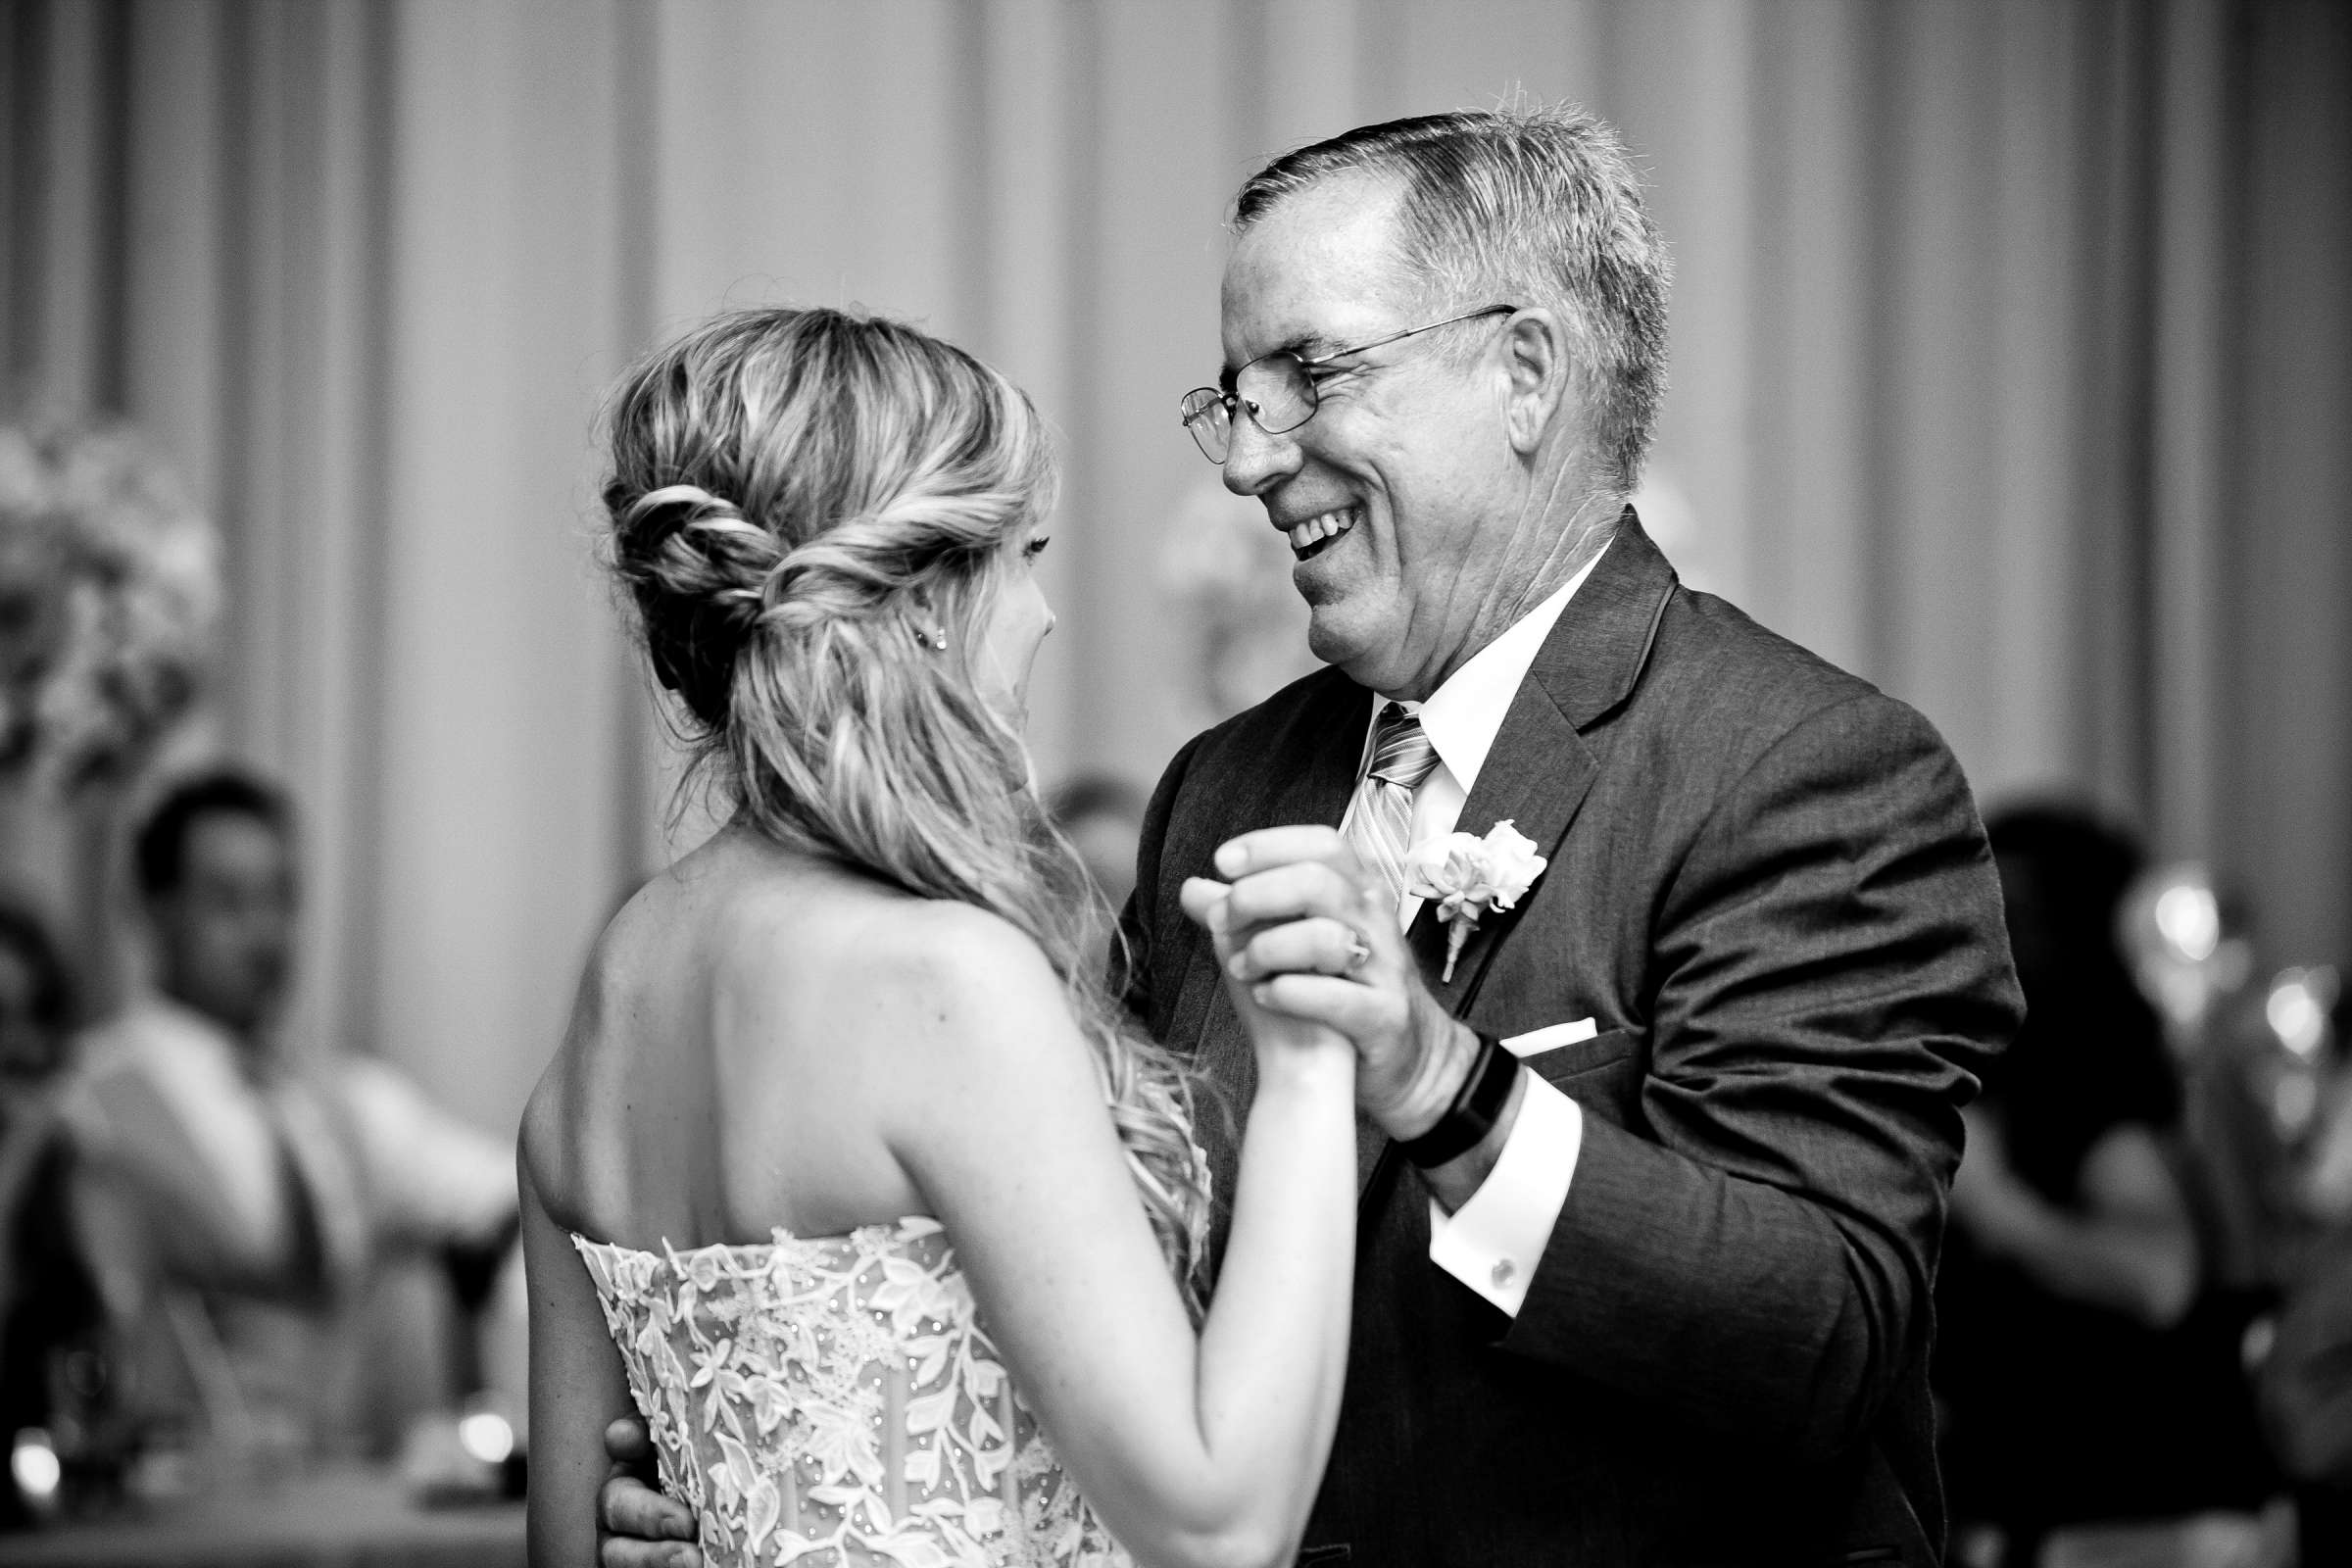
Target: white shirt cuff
<point>1492,1243</point>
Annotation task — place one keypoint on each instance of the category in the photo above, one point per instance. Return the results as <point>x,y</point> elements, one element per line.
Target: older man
<point>1655,1161</point>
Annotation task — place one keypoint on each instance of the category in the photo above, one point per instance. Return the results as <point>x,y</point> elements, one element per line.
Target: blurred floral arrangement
<point>110,590</point>
<point>1227,574</point>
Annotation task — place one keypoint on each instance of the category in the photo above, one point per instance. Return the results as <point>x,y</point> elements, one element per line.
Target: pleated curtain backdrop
<point>2011,368</point>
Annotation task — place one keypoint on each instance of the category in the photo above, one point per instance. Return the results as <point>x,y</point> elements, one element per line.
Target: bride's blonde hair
<point>800,502</point>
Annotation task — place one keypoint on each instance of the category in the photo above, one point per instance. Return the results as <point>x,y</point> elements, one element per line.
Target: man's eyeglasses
<point>1279,389</point>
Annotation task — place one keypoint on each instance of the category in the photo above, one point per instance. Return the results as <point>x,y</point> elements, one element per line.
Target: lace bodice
<point>834,1400</point>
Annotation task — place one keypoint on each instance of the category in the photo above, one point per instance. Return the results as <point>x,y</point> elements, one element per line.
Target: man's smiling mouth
<point>1312,537</point>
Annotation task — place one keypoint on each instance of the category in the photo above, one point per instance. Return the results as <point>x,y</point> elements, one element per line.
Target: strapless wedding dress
<point>833,1399</point>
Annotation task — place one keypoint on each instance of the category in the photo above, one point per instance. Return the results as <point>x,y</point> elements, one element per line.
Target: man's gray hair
<point>1523,205</point>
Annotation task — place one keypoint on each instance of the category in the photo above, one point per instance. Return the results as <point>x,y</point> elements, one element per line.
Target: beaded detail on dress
<point>834,1400</point>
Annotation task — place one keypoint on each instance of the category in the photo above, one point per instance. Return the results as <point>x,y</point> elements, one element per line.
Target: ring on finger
<point>1360,951</point>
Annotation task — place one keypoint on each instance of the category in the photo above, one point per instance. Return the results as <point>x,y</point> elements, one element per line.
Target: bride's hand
<point>1204,901</point>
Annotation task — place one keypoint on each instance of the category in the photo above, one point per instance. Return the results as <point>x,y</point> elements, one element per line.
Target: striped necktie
<point>1379,830</point>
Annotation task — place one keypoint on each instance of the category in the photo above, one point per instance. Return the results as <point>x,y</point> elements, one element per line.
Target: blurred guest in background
<point>235,1191</point>
<point>2307,1401</point>
<point>2306,1377</point>
<point>46,1298</point>
<point>2076,1383</point>
<point>1226,579</point>
<point>1104,819</point>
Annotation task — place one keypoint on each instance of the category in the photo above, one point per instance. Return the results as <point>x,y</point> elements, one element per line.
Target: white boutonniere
<point>1469,875</point>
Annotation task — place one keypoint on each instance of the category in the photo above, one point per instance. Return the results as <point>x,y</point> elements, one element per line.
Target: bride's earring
<point>936,637</point>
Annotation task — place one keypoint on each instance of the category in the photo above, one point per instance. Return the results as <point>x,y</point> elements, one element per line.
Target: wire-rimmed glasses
<point>1279,389</point>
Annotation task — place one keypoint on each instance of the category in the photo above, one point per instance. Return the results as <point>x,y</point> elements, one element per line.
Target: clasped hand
<point>1308,938</point>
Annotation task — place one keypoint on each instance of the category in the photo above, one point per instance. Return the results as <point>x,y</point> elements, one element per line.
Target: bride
<point>848,1177</point>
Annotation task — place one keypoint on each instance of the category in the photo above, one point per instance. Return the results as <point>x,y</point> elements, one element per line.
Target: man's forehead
<point>1313,273</point>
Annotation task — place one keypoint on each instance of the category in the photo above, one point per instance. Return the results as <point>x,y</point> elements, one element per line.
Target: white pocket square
<point>1545,1039</point>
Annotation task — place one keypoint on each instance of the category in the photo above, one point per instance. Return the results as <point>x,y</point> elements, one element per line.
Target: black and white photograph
<point>1175,783</point>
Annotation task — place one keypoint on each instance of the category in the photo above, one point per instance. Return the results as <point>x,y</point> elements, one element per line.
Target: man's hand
<point>1313,936</point>
<point>1270,1031</point>
<point>640,1526</point>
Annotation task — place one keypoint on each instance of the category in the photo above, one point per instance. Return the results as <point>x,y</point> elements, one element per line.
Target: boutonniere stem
<point>1469,875</point>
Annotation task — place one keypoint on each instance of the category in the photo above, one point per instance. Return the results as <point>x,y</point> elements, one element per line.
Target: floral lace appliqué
<point>833,1399</point>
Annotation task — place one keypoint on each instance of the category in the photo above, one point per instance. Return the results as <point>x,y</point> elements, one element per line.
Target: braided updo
<point>798,498</point>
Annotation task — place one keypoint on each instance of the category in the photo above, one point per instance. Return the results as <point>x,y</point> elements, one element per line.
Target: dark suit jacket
<point>1769,887</point>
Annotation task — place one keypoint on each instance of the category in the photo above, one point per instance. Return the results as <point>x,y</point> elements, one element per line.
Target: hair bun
<point>700,571</point>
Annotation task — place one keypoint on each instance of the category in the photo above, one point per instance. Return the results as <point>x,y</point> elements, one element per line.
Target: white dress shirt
<point>162,1096</point>
<point>203,1179</point>
<point>1492,1243</point>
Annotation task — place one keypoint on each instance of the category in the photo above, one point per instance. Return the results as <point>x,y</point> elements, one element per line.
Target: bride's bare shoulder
<point>563,1109</point>
<point>639,984</point>
<point>877,949</point>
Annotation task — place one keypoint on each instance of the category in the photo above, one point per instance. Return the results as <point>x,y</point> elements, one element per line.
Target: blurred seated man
<point>2077,1381</point>
<point>234,1195</point>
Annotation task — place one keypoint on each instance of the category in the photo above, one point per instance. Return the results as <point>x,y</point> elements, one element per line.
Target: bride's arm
<point>577,1385</point>
<point>1200,1449</point>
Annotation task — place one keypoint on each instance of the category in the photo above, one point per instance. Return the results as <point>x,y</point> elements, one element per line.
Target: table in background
<point>335,1519</point>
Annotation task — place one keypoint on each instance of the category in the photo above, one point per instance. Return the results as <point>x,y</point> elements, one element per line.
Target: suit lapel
<point>1534,778</point>
<point>1536,774</point>
<point>1539,769</point>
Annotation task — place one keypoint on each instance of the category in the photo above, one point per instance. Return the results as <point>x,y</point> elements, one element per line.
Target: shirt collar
<point>1464,714</point>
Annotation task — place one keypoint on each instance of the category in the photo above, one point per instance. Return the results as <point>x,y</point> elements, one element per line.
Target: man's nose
<point>1255,460</point>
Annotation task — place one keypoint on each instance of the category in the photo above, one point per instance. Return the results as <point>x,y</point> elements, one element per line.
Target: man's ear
<point>1539,374</point>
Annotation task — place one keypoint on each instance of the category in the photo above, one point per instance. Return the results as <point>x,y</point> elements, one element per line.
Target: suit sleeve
<point>1830,971</point>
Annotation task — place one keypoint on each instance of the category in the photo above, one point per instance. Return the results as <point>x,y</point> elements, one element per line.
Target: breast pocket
<point>1601,1073</point>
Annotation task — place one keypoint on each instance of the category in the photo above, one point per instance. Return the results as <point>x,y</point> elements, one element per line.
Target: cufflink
<point>1504,1273</point>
